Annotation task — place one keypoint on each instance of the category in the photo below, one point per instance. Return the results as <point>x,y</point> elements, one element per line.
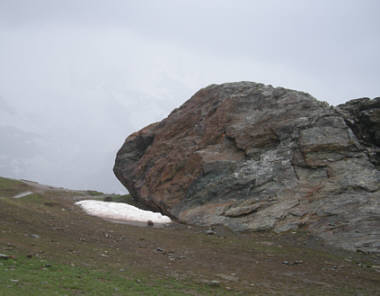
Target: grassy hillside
<point>53,248</point>
<point>9,187</point>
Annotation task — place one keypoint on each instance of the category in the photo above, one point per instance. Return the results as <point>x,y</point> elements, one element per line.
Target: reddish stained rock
<point>254,157</point>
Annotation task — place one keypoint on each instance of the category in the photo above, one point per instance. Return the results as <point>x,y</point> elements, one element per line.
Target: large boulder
<point>254,157</point>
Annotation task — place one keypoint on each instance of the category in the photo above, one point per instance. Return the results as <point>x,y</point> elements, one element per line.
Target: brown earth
<point>49,225</point>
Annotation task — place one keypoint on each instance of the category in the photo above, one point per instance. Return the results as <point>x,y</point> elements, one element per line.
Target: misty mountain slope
<point>68,137</point>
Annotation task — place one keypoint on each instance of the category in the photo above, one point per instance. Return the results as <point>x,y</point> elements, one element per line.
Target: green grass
<point>34,276</point>
<point>9,187</point>
<point>127,198</point>
<point>30,201</point>
<point>94,192</point>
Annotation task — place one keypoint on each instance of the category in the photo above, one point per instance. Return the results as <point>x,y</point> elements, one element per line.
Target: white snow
<point>23,194</point>
<point>120,211</point>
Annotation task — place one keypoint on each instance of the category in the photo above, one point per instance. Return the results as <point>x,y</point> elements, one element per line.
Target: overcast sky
<point>78,76</point>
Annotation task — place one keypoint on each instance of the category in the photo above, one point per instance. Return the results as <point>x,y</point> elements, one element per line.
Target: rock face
<point>254,157</point>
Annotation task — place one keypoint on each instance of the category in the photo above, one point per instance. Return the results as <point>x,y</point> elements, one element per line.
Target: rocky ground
<point>187,260</point>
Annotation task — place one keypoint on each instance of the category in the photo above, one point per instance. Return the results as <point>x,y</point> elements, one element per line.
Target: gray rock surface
<point>253,157</point>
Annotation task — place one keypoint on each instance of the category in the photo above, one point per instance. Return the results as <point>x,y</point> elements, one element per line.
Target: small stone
<point>285,262</point>
<point>3,256</point>
<point>266,243</point>
<point>159,250</point>
<point>150,223</point>
<point>210,232</point>
<point>35,236</point>
<point>212,283</point>
<point>231,278</point>
<point>215,283</point>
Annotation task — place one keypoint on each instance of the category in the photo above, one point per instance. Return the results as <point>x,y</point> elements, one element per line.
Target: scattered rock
<point>159,250</point>
<point>4,257</point>
<point>231,278</point>
<point>266,243</point>
<point>210,232</point>
<point>150,223</point>
<point>292,263</point>
<point>211,283</point>
<point>253,157</point>
<point>36,236</point>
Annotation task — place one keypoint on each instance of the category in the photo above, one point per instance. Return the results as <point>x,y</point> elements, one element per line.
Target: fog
<point>77,77</point>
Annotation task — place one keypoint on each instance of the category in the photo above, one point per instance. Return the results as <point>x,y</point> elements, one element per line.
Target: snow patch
<point>23,194</point>
<point>121,212</point>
